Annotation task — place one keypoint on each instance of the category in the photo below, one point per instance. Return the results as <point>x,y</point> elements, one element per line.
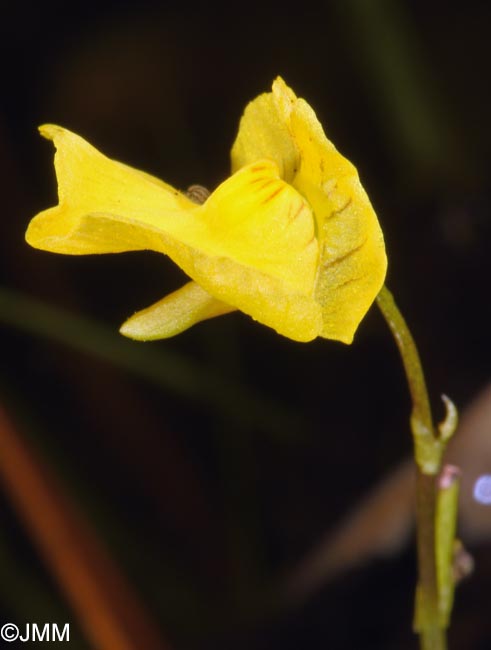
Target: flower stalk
<point>290,239</point>
<point>429,445</point>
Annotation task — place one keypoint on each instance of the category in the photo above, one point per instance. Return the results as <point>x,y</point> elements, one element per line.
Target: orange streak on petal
<point>271,196</point>
<point>258,168</point>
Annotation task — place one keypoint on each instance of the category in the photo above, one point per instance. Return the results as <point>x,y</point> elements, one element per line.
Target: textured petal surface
<point>352,260</point>
<point>263,133</point>
<point>89,183</point>
<point>173,314</point>
<point>251,245</point>
<point>353,263</point>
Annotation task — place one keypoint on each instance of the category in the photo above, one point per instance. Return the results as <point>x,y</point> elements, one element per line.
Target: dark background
<point>211,463</point>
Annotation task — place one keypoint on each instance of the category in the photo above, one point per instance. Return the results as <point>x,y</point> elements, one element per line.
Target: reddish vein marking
<point>337,260</point>
<point>297,213</point>
<point>258,168</point>
<point>264,183</point>
<point>271,196</point>
<point>336,213</point>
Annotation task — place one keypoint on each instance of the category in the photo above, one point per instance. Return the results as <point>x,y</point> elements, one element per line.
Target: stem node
<point>434,592</point>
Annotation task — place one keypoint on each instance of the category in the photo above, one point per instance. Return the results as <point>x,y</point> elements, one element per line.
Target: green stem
<point>427,610</point>
<point>421,412</point>
<point>428,445</point>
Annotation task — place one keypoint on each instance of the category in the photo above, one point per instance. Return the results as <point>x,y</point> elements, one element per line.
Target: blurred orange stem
<point>107,609</point>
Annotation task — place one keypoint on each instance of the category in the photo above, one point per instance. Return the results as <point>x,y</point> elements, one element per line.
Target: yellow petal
<point>251,245</point>
<point>257,219</point>
<point>353,263</point>
<point>173,314</point>
<point>263,133</point>
<point>89,183</point>
<point>266,226</point>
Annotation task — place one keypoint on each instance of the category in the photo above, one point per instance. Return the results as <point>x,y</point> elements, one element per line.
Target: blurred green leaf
<point>160,364</point>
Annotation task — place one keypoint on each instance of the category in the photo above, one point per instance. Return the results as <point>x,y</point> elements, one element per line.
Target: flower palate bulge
<point>290,238</point>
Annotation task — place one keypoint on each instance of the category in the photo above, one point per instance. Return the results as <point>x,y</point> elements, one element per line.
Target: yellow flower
<point>290,238</point>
